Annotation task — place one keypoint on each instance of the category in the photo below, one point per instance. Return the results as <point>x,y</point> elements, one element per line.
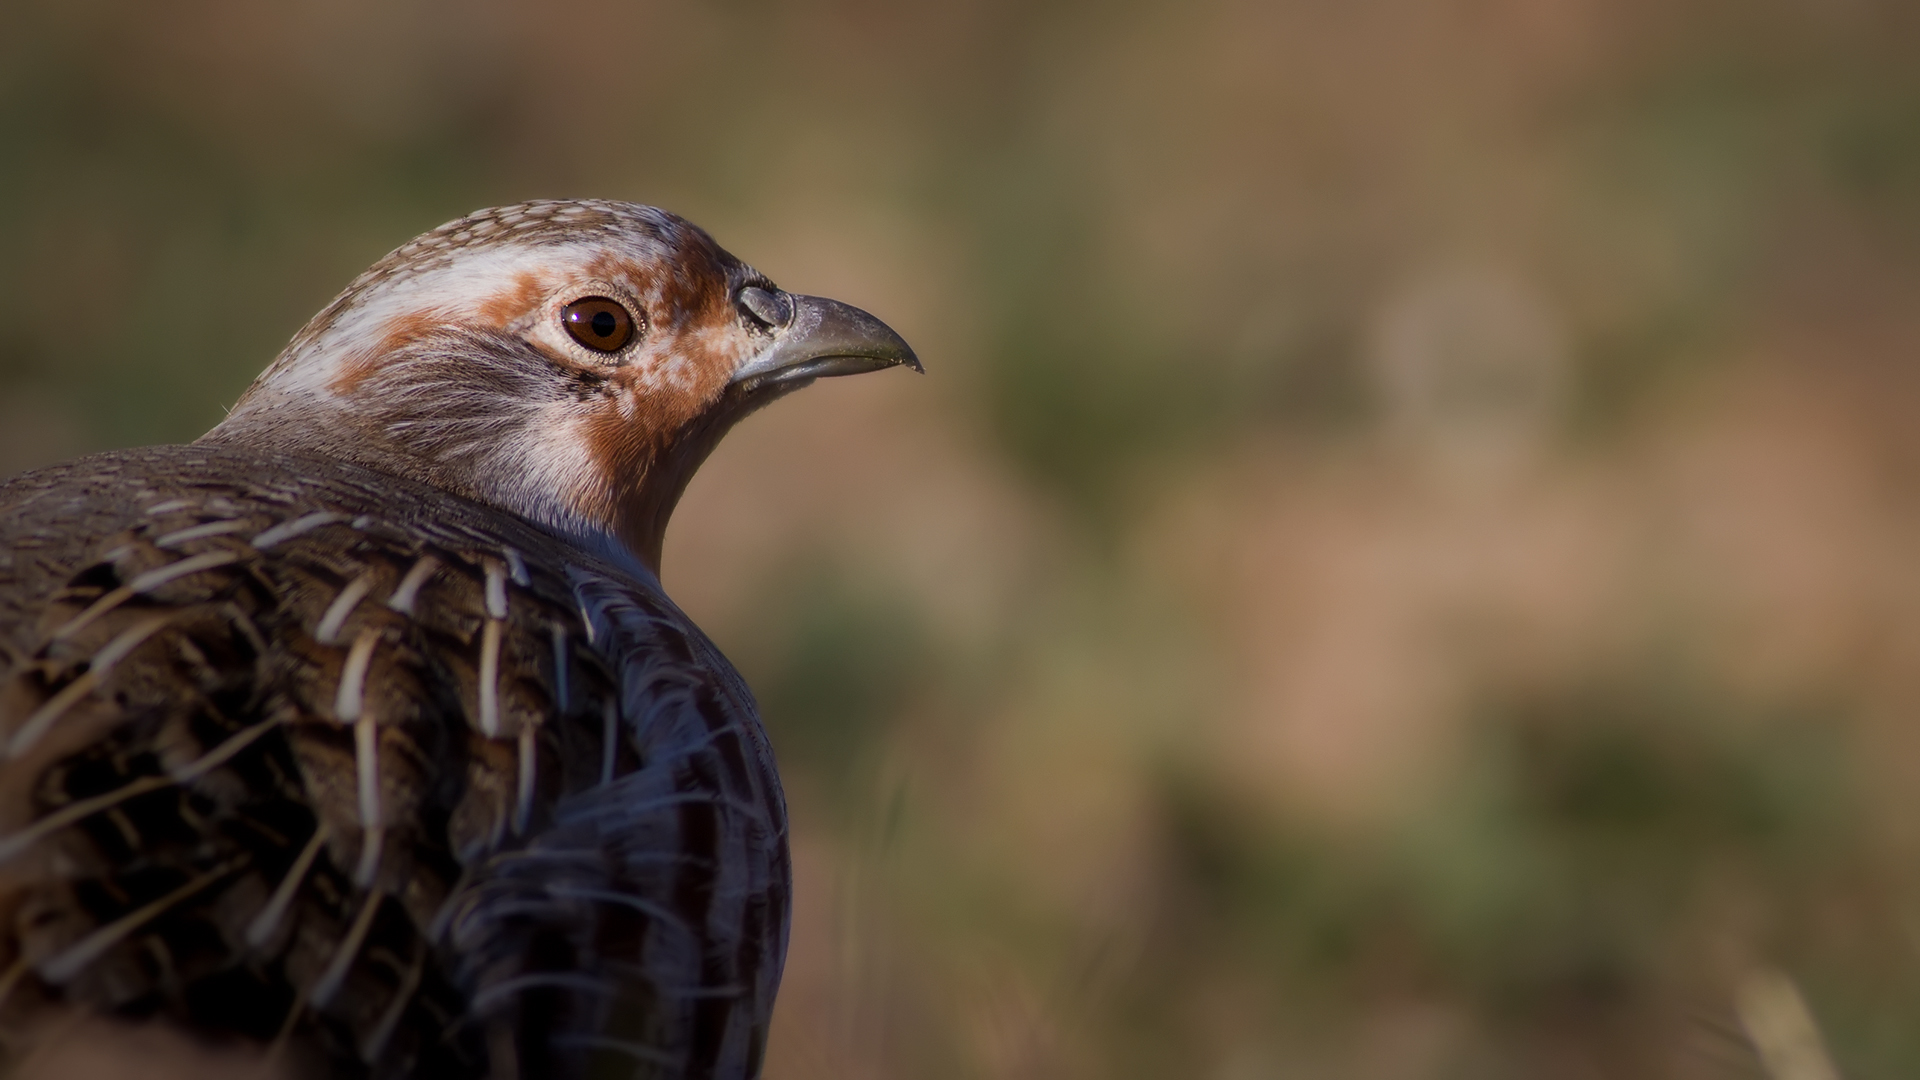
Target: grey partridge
<point>357,738</point>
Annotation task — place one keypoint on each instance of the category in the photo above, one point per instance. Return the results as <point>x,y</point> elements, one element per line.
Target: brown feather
<point>215,752</point>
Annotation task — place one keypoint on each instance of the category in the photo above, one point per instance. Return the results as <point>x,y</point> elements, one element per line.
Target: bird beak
<point>814,338</point>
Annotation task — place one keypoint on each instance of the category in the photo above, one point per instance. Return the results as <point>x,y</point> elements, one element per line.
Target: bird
<point>358,738</point>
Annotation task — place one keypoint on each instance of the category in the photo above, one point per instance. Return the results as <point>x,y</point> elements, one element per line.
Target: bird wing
<point>371,775</point>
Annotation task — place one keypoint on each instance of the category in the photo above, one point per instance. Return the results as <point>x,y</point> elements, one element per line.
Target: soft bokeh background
<point>1406,561</point>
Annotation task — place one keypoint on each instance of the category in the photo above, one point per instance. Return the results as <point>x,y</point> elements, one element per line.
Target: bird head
<point>571,361</point>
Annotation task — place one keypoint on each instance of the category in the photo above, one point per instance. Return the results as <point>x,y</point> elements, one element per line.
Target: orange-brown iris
<point>600,324</point>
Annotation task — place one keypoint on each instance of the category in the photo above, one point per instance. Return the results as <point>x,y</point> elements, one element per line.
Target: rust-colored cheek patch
<point>641,422</point>
<point>715,350</point>
<point>508,306</point>
<point>401,332</point>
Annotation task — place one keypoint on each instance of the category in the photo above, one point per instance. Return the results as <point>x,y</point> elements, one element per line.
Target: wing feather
<point>346,766</point>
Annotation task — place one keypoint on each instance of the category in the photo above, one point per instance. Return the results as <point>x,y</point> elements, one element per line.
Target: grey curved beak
<point>815,338</point>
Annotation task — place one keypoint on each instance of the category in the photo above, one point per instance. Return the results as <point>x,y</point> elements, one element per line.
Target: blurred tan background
<point>1406,560</point>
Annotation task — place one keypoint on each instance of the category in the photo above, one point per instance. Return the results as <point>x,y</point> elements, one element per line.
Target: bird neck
<point>535,466</point>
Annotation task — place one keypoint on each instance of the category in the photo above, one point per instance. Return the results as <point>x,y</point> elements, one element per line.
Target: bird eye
<point>600,324</point>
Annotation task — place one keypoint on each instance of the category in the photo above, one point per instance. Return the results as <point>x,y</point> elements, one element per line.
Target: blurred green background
<point>1406,561</point>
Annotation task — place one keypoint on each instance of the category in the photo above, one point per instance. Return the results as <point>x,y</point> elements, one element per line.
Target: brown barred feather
<point>320,762</point>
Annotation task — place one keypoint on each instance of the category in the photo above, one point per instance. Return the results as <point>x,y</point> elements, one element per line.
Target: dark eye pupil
<point>604,324</point>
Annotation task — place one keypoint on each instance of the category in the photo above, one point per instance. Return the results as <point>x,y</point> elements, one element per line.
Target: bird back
<point>380,780</point>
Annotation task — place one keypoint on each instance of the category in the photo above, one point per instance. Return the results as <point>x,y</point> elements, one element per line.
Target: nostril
<point>769,307</point>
